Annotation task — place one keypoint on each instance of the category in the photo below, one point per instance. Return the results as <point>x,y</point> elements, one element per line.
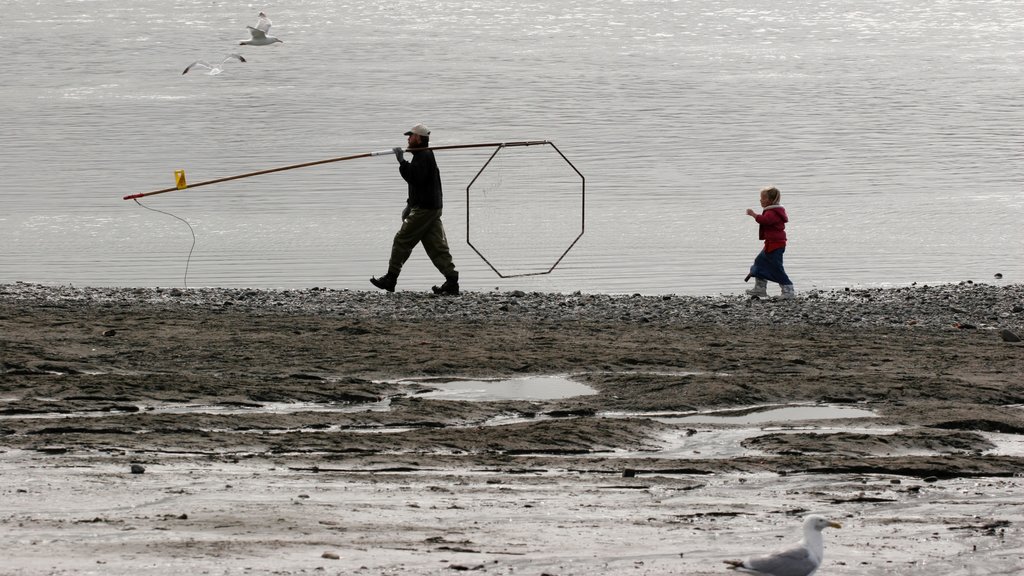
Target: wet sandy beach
<point>165,431</point>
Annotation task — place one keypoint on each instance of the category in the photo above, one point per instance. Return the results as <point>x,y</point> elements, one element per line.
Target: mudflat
<point>166,431</point>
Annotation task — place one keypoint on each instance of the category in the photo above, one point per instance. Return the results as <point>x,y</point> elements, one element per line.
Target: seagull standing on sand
<point>260,35</point>
<point>210,69</point>
<point>800,560</point>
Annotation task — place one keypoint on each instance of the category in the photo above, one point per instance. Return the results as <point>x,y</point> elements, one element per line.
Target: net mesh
<point>525,210</point>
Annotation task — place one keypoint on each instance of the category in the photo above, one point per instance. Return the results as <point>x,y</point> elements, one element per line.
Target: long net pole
<point>328,161</point>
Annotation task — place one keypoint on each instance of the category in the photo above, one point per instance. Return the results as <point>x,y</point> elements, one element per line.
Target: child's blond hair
<point>771,194</point>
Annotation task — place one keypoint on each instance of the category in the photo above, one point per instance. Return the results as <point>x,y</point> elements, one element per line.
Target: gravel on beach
<point>966,305</point>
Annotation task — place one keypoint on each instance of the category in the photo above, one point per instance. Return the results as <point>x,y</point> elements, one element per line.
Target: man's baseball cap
<point>419,130</point>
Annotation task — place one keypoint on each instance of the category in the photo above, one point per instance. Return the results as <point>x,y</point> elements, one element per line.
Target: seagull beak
<point>835,525</point>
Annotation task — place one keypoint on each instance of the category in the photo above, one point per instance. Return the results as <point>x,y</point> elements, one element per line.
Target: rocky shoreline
<point>966,305</point>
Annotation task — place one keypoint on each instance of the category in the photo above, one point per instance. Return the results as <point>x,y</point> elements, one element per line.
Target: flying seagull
<point>210,69</point>
<point>260,35</point>
<point>802,559</point>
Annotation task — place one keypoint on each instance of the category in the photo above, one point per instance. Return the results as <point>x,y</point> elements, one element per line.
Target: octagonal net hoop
<point>525,209</point>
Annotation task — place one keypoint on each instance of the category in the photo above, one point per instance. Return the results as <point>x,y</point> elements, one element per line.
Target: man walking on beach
<point>421,219</point>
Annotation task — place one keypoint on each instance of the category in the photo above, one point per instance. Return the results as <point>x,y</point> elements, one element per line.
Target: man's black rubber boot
<point>385,282</point>
<point>450,286</point>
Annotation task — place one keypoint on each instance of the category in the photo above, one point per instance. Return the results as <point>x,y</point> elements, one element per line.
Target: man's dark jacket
<point>424,180</point>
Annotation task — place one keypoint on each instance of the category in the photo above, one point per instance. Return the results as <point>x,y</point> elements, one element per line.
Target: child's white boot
<point>788,291</point>
<point>760,288</point>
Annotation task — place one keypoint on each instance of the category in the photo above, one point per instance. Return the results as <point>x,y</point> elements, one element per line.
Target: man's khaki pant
<point>422,226</point>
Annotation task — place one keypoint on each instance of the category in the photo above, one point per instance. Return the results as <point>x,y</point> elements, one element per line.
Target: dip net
<point>525,209</point>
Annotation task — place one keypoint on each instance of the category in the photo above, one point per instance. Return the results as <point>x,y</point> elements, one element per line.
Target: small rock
<point>109,333</point>
<point>999,276</point>
<point>931,479</point>
<point>1009,336</point>
<point>330,556</point>
<point>629,473</point>
<point>138,469</point>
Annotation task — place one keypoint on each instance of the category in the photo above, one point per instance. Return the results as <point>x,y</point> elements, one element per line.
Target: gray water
<point>786,414</point>
<point>526,388</point>
<point>893,129</point>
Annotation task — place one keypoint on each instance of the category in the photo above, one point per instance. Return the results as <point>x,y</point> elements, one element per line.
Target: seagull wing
<point>263,24</point>
<point>256,33</point>
<point>796,561</point>
<point>232,57</point>
<point>199,63</point>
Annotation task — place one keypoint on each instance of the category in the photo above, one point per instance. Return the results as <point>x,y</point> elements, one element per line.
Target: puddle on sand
<point>727,442</point>
<point>1006,444</point>
<point>785,414</point>
<point>527,388</point>
<point>271,408</point>
<point>218,409</point>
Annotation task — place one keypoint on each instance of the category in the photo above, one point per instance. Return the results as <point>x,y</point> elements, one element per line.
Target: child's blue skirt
<point>768,265</point>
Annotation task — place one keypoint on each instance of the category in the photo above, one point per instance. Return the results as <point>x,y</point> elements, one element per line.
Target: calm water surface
<point>893,129</point>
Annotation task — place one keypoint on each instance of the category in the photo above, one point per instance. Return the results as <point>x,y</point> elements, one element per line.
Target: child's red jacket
<point>772,227</point>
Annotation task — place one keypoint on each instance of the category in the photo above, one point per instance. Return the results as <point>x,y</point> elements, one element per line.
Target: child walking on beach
<point>772,229</point>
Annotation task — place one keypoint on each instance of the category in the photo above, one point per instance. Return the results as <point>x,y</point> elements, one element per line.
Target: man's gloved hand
<point>405,213</point>
<point>399,153</point>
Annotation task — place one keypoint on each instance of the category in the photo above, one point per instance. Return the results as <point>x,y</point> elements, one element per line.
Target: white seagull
<point>800,560</point>
<point>211,69</point>
<point>260,35</point>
